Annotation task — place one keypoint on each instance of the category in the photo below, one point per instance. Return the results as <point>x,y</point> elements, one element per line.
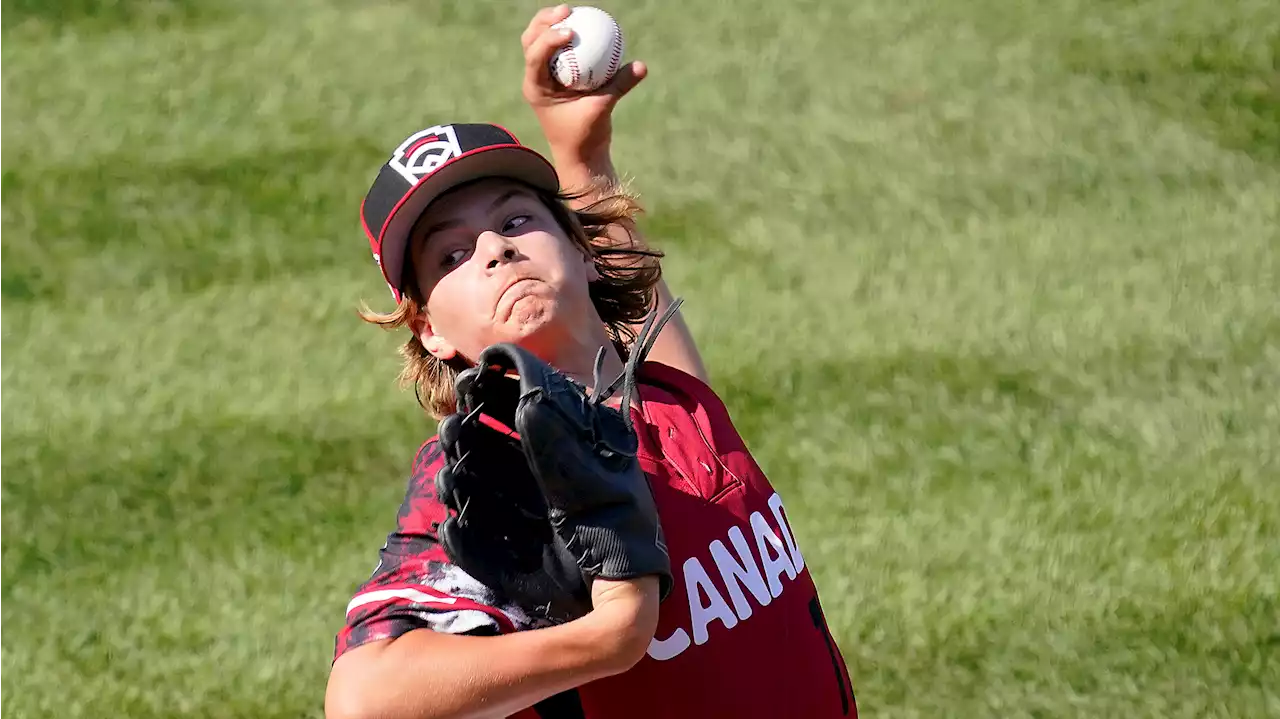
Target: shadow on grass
<point>128,224</point>
<point>133,495</point>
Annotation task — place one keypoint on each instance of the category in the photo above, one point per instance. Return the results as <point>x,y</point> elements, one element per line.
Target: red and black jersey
<point>742,633</point>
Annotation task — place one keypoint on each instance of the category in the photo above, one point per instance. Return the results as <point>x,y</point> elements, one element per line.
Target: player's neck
<point>575,355</point>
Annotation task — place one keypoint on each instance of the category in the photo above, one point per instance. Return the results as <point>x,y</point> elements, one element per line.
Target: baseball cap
<point>429,163</point>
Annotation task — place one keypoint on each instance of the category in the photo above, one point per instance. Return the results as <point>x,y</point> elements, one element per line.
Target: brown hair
<point>624,294</point>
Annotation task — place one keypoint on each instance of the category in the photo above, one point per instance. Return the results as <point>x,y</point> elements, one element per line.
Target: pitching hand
<point>577,125</point>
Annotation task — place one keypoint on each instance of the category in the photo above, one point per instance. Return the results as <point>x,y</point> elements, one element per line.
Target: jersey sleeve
<point>414,585</point>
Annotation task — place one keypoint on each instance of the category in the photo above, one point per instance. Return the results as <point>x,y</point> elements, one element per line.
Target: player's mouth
<point>517,290</point>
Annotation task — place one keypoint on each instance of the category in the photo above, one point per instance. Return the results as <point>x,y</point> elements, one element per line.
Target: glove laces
<point>640,350</point>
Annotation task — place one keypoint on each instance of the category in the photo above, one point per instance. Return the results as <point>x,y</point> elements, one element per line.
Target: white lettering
<point>664,649</point>
<point>738,568</point>
<point>695,579</point>
<point>767,541</point>
<point>740,572</point>
<point>797,560</point>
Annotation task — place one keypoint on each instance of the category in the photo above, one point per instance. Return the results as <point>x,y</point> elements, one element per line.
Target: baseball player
<point>587,535</point>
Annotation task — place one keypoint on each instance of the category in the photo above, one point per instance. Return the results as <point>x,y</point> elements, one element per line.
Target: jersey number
<point>837,663</point>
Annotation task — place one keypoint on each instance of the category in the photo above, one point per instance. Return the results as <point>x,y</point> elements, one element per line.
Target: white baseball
<point>594,54</point>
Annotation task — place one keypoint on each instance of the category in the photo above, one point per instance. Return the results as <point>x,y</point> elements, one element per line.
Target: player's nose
<point>494,250</point>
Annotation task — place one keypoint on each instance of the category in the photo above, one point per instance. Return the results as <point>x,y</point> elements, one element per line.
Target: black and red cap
<point>429,163</point>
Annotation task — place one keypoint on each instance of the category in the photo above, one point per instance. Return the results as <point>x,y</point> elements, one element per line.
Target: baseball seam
<point>572,58</point>
<point>616,58</point>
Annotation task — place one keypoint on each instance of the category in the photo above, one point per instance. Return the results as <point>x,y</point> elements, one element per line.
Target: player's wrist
<point>615,648</point>
<point>625,617</point>
<point>580,166</point>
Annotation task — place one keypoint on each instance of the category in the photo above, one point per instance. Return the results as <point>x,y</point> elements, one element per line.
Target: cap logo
<point>425,151</point>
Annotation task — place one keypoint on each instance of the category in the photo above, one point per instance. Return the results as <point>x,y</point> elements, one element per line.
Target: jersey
<point>742,633</point>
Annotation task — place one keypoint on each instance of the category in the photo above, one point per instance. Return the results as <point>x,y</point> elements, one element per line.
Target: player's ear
<point>435,344</point>
<point>593,272</point>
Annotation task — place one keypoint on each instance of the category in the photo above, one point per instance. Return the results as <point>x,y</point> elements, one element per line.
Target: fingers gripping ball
<point>594,54</point>
<point>542,485</point>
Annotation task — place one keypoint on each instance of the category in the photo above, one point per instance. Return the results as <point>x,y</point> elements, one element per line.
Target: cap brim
<point>515,162</point>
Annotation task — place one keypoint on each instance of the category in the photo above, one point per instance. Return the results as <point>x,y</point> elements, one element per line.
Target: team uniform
<point>742,633</point>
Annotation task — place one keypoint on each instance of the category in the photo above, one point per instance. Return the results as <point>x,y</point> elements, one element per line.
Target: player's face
<point>495,266</point>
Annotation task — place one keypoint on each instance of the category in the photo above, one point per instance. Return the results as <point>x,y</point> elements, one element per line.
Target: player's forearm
<point>578,170</point>
<point>425,674</point>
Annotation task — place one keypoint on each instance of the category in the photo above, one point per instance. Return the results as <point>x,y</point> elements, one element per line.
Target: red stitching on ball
<point>575,74</point>
<point>616,58</point>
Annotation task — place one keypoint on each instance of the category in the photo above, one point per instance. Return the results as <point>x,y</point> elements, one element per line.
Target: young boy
<point>479,245</point>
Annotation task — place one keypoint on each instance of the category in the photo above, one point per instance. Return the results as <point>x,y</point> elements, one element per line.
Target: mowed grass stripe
<point>124,225</point>
<point>235,349</point>
<point>268,76</point>
<point>891,61</point>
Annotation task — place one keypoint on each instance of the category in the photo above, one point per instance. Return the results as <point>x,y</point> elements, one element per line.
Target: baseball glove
<point>541,482</point>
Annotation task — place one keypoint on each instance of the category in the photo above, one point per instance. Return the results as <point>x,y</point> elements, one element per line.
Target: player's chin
<point>530,317</point>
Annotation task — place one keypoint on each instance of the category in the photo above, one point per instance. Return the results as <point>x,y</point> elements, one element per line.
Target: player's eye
<point>514,223</point>
<point>454,258</point>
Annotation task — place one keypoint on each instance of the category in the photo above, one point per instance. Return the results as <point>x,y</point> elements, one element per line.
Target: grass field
<point>992,289</point>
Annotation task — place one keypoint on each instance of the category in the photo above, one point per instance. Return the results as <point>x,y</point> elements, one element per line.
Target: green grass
<point>992,290</point>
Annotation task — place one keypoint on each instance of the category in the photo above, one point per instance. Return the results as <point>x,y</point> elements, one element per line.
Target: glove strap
<point>640,350</point>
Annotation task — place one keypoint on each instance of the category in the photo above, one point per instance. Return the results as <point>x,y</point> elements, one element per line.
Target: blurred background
<point>990,287</point>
